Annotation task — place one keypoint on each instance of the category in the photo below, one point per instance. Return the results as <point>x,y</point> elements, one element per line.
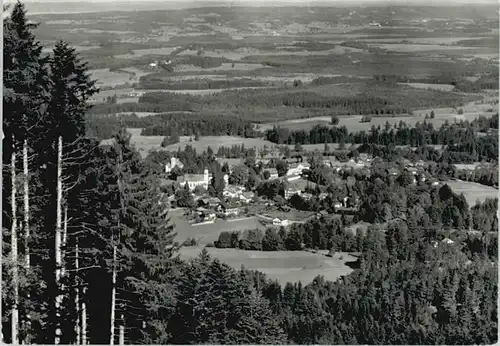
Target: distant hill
<point>72,6</point>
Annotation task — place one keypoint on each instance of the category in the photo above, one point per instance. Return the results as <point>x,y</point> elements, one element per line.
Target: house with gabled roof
<point>174,162</point>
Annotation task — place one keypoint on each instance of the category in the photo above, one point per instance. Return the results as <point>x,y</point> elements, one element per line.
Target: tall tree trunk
<point>58,257</point>
<point>26,206</point>
<point>14,255</point>
<point>63,242</point>
<point>78,330</point>
<point>84,317</point>
<point>26,198</point>
<point>113,299</point>
<point>122,331</point>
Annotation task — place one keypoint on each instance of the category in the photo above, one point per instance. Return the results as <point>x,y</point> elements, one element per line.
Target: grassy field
<point>150,51</point>
<point>421,40</point>
<point>137,72</point>
<point>139,114</point>
<point>441,87</point>
<point>216,141</point>
<point>414,48</point>
<point>241,53</point>
<point>224,67</point>
<point>144,143</point>
<point>352,122</point>
<point>105,77</point>
<point>205,234</point>
<point>473,191</point>
<point>284,266</point>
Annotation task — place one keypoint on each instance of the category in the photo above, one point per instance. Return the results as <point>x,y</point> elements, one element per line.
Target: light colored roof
<point>193,177</point>
<point>295,165</point>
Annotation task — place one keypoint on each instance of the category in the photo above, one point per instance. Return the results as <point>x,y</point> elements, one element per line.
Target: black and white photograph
<point>250,172</point>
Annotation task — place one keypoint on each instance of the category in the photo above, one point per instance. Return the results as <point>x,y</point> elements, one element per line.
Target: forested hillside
<point>90,253</point>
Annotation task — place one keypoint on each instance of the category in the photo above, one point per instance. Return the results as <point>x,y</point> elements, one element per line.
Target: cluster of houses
<point>209,208</point>
<point>236,197</point>
<point>193,180</point>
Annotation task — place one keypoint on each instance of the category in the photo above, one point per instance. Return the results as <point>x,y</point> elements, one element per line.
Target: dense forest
<point>460,138</point>
<point>90,253</point>
<point>370,98</point>
<point>202,125</point>
<point>487,81</point>
<point>151,82</point>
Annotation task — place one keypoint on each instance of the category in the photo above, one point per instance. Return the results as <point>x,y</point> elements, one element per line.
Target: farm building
<point>230,209</point>
<point>209,202</point>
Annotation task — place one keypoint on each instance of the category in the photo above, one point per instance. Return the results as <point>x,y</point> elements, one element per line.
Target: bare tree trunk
<point>27,322</point>
<point>77,296</point>
<point>84,317</point>
<point>63,242</point>
<point>26,206</point>
<point>113,299</point>
<point>122,331</point>
<point>14,255</point>
<point>58,257</point>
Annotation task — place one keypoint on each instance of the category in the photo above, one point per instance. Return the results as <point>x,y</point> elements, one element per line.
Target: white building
<point>296,169</point>
<point>290,192</point>
<point>173,162</point>
<point>278,222</point>
<point>194,180</point>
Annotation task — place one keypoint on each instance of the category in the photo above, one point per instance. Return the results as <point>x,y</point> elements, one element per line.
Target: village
<point>284,207</point>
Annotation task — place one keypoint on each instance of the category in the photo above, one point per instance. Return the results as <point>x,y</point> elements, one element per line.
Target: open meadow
<point>473,192</point>
<point>205,234</point>
<point>105,77</point>
<point>284,266</point>
<point>353,123</point>
<point>217,141</point>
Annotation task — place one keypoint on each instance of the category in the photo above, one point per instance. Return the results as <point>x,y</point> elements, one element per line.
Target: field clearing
<point>147,51</point>
<point>321,147</point>
<point>105,77</point>
<point>139,114</point>
<point>128,100</point>
<point>144,143</point>
<point>196,91</point>
<point>440,87</point>
<point>415,48</point>
<point>138,73</point>
<point>216,141</point>
<point>284,266</point>
<point>226,66</point>
<point>421,40</point>
<point>472,191</point>
<point>205,234</point>
<point>242,53</point>
<point>353,124</point>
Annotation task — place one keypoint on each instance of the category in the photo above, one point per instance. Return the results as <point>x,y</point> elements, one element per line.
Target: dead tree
<point>14,254</point>
<point>58,250</point>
